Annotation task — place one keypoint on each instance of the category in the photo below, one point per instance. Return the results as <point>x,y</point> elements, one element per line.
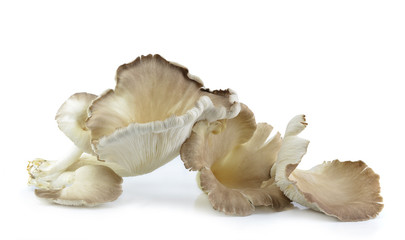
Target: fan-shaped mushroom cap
<point>71,118</point>
<point>234,160</point>
<point>349,191</point>
<point>143,122</point>
<point>89,185</point>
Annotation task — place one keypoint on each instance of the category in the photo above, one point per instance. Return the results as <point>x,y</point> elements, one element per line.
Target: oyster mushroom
<point>234,161</point>
<point>142,124</point>
<point>131,130</point>
<point>349,191</point>
<point>78,179</point>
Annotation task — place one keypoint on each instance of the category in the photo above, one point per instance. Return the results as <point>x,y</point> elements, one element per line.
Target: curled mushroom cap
<point>143,122</point>
<point>234,160</point>
<point>349,191</point>
<point>71,118</point>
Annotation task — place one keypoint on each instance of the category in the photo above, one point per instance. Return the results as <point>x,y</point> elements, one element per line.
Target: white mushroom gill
<point>349,191</point>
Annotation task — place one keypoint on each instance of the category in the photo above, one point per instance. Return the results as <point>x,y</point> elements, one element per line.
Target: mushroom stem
<point>42,172</point>
<point>63,164</point>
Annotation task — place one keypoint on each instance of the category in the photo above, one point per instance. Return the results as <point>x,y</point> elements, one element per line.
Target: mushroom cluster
<point>158,111</point>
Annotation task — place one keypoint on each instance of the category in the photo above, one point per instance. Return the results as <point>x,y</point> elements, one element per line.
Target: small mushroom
<point>349,191</point>
<point>234,159</point>
<point>70,118</point>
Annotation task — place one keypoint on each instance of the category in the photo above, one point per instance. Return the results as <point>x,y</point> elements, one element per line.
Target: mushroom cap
<point>142,123</point>
<point>349,191</point>
<point>91,185</point>
<point>71,118</point>
<point>234,159</point>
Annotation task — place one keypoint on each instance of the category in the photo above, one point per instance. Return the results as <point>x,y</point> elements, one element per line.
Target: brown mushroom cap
<point>346,190</point>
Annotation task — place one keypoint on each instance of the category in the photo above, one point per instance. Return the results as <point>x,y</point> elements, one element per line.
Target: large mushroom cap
<point>143,122</point>
<point>234,159</point>
<point>349,191</point>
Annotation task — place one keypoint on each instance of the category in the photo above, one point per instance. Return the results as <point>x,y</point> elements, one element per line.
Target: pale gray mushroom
<point>131,130</point>
<point>349,191</point>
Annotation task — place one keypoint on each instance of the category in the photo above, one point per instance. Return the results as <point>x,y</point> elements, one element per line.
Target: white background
<point>342,63</point>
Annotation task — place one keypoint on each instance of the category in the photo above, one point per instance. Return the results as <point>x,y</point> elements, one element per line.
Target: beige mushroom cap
<point>234,159</point>
<point>143,122</point>
<point>349,191</point>
<point>71,118</point>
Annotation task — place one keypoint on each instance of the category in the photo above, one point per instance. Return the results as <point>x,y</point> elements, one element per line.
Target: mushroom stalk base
<point>42,172</point>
